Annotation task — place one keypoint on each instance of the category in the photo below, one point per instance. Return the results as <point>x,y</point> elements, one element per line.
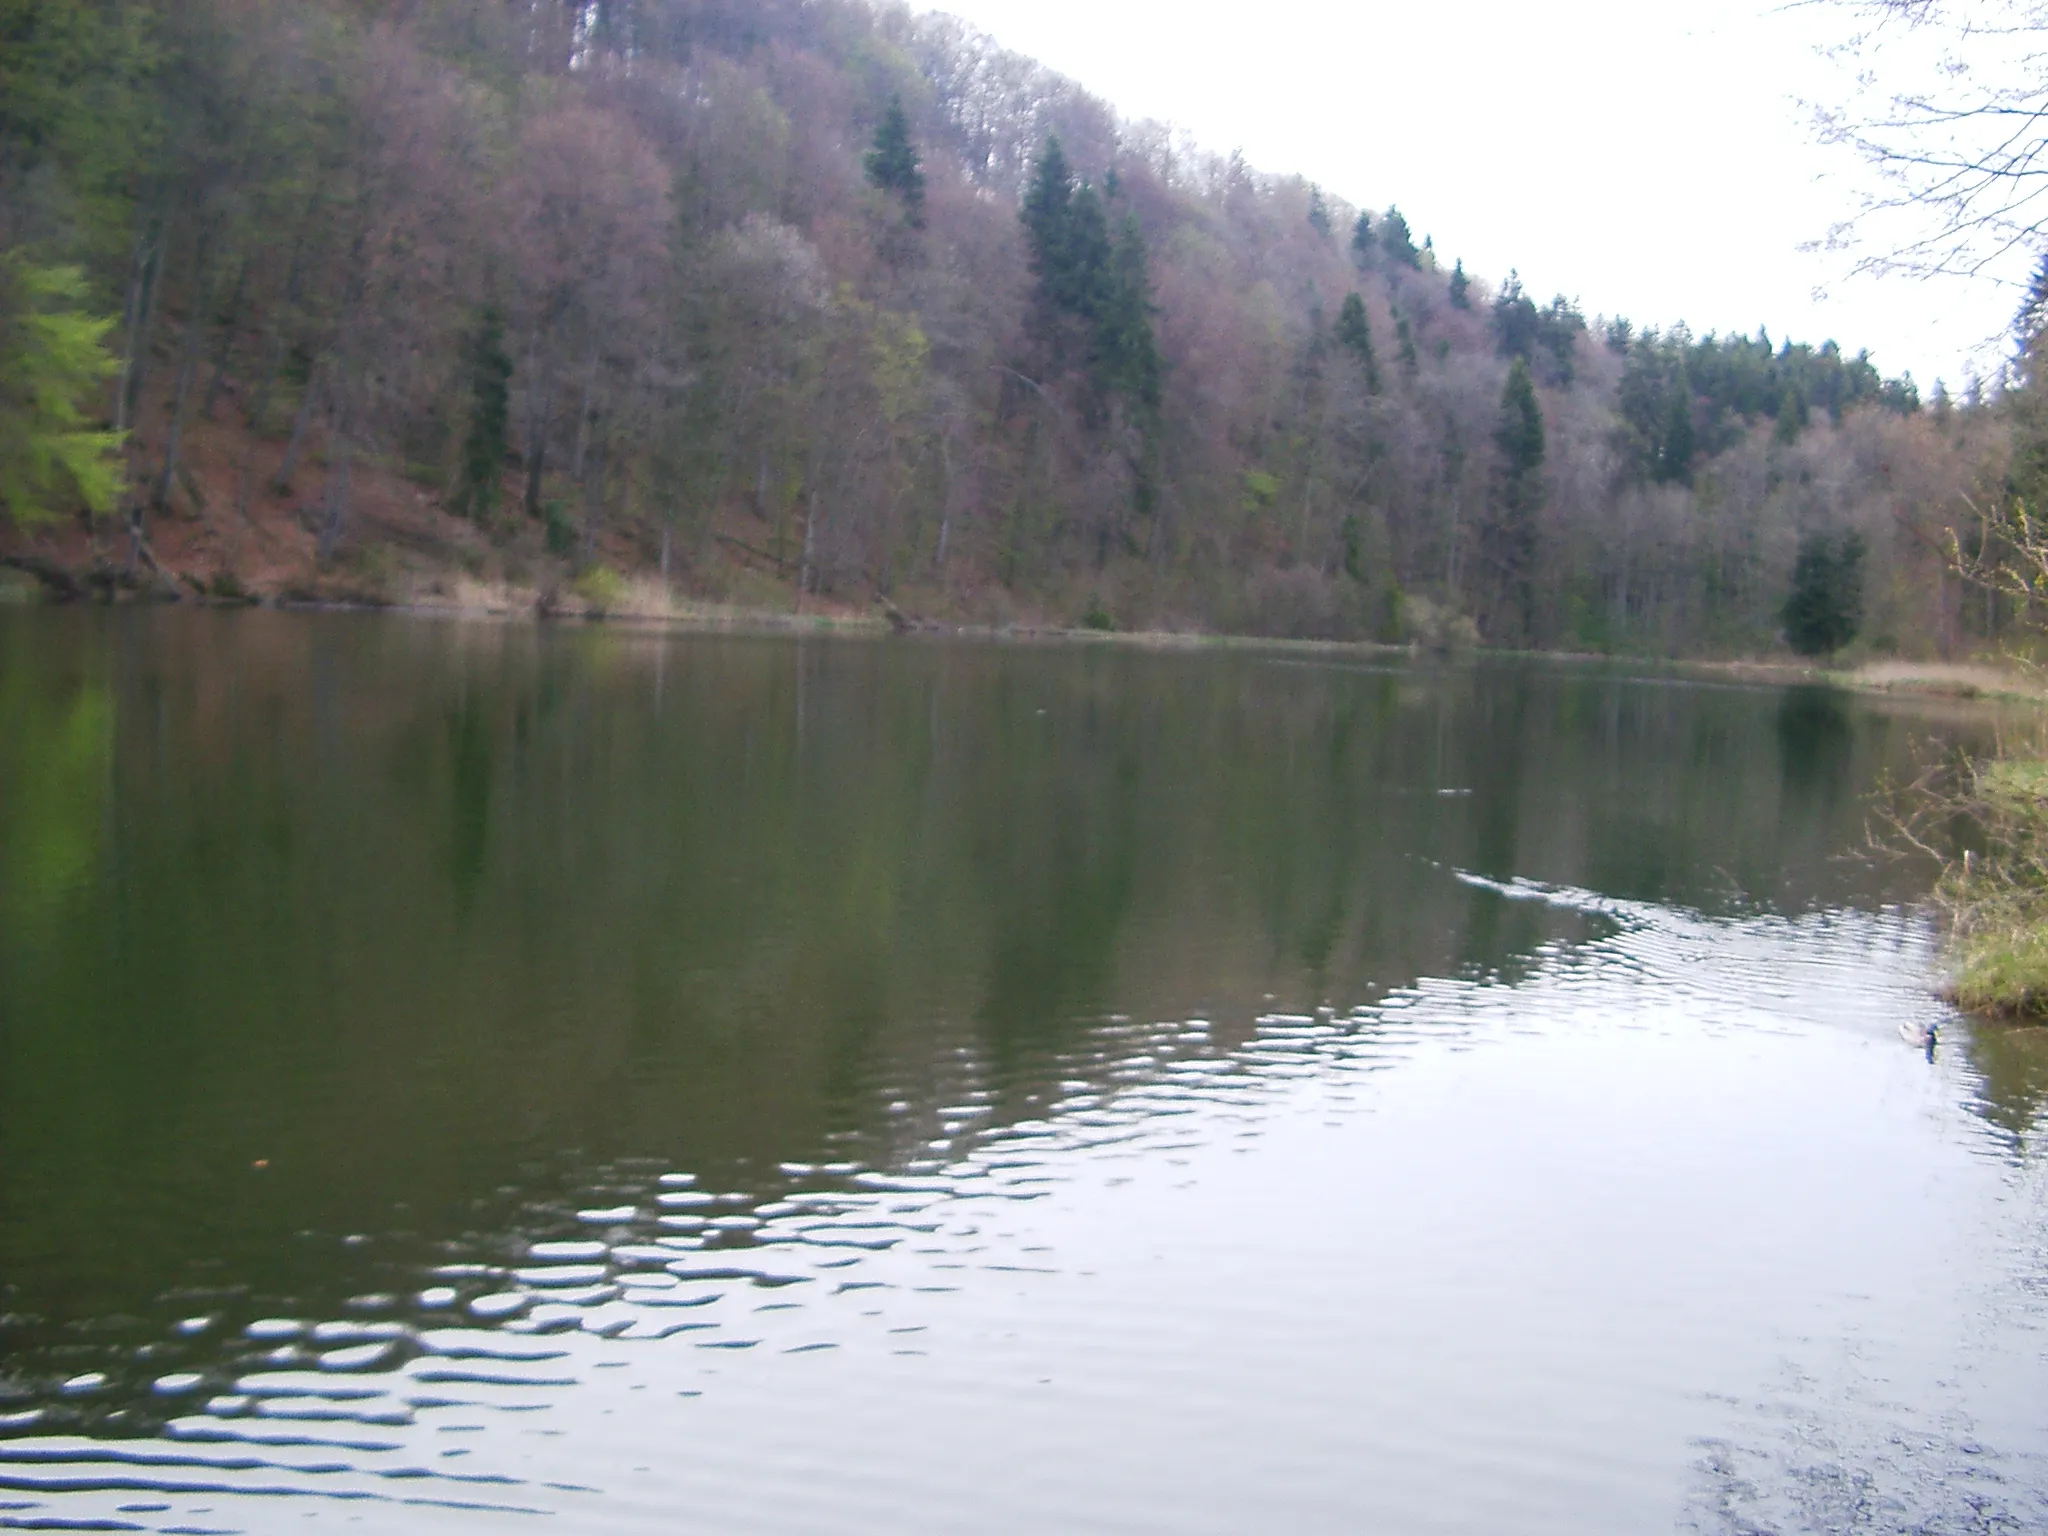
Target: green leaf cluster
<point>52,358</point>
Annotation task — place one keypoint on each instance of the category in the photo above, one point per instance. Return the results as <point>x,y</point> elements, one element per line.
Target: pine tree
<point>2027,475</point>
<point>1461,287</point>
<point>1127,353</point>
<point>1048,215</point>
<point>1678,444</point>
<point>1519,442</point>
<point>892,164</point>
<point>1404,343</point>
<point>1084,277</point>
<point>1085,282</point>
<point>1354,334</point>
<point>1397,241</point>
<point>1824,609</point>
<point>1362,242</point>
<point>52,356</point>
<point>1515,319</point>
<point>1318,213</point>
<point>1793,415</point>
<point>490,419</point>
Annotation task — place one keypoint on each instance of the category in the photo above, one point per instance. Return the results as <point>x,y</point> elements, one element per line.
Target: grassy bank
<point>1995,895</point>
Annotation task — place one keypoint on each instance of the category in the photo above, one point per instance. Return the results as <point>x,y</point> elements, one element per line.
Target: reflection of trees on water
<point>402,905</point>
<point>2012,1066</point>
<point>1816,745</point>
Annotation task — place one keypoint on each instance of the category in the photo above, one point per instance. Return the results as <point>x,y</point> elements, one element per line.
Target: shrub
<point>602,589</point>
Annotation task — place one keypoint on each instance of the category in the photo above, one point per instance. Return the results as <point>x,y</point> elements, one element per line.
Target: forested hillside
<point>781,297</point>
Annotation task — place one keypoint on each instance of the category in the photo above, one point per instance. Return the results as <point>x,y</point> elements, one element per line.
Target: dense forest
<point>778,301</point>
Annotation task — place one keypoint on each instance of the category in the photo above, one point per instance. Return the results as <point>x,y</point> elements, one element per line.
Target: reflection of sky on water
<point>1675,1222</point>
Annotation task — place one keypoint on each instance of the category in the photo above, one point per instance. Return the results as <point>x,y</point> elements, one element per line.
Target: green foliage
<point>602,589</point>
<point>1547,339</point>
<point>74,118</point>
<point>1404,343</point>
<point>1354,335</point>
<point>52,358</point>
<point>490,418</point>
<point>1727,383</point>
<point>1987,821</point>
<point>304,213</point>
<point>1098,617</point>
<point>1397,242</point>
<point>2026,479</point>
<point>1126,352</point>
<point>1519,437</point>
<point>1318,213</point>
<point>1087,280</point>
<point>559,528</point>
<point>892,164</point>
<point>1260,490</point>
<point>1510,535</point>
<point>1824,609</point>
<point>1793,416</point>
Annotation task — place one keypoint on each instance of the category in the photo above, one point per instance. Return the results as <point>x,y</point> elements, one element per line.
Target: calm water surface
<point>472,1078</point>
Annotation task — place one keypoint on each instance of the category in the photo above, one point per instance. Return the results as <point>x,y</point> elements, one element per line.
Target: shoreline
<point>38,584</point>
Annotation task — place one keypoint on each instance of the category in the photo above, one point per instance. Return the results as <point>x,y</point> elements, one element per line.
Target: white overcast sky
<point>1648,158</point>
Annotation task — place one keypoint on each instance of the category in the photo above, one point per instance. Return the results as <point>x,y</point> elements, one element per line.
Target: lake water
<point>458,1077</point>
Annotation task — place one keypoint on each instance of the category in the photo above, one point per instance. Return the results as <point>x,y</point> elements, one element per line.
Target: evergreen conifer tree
<point>1824,609</point>
<point>1793,414</point>
<point>1397,241</point>
<point>1318,212</point>
<point>1085,281</point>
<point>1127,353</point>
<point>1354,334</point>
<point>2027,474</point>
<point>1515,319</point>
<point>1047,216</point>
<point>52,356</point>
<point>1678,444</point>
<point>1362,242</point>
<point>1519,442</point>
<point>892,164</point>
<point>1461,287</point>
<point>490,418</point>
<point>1089,281</point>
<point>1404,342</point>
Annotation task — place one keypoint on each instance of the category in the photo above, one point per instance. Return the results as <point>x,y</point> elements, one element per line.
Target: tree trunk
<point>188,366</point>
<point>141,303</point>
